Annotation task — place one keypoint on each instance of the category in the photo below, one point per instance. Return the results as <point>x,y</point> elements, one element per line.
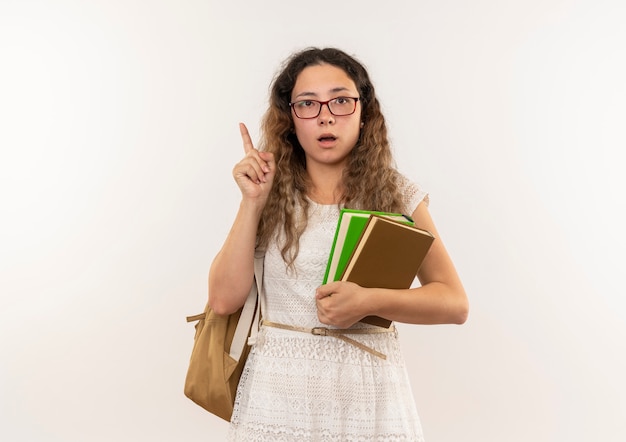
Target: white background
<point>118,133</point>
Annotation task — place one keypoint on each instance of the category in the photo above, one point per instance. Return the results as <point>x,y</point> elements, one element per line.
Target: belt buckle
<point>319,331</point>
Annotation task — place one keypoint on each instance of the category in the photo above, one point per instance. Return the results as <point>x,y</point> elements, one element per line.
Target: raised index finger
<point>245,137</point>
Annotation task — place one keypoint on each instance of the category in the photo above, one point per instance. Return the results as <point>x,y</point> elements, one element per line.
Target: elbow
<point>221,305</point>
<point>220,308</point>
<point>216,303</point>
<point>461,317</point>
<point>461,312</point>
<point>226,300</point>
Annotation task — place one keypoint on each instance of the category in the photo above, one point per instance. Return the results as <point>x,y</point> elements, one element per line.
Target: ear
<point>362,124</point>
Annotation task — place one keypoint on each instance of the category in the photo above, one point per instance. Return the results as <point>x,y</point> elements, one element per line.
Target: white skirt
<point>300,387</point>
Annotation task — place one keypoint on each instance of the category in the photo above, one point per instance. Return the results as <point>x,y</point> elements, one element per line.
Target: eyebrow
<point>314,94</point>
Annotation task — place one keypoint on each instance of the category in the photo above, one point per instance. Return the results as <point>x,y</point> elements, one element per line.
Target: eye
<point>342,100</point>
<point>305,103</point>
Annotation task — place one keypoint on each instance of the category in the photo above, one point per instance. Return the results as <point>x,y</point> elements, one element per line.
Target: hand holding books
<point>387,253</point>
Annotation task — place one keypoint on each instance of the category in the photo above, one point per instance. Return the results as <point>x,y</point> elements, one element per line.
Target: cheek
<point>356,129</point>
<point>302,130</point>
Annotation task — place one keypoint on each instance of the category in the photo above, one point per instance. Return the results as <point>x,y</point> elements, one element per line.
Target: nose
<point>325,116</point>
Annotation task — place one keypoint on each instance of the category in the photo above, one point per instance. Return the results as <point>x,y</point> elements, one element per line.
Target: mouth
<point>327,138</point>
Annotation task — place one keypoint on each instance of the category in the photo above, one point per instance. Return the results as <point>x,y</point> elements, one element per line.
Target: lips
<point>327,138</point>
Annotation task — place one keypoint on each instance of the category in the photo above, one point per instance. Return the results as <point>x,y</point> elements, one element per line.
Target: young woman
<point>324,146</point>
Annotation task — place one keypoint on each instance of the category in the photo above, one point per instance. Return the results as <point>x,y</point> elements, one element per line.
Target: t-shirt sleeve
<point>412,194</point>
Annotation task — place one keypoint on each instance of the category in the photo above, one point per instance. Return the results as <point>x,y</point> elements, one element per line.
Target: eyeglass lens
<point>338,106</point>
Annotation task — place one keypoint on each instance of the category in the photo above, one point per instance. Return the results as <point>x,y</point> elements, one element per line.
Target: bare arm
<point>232,271</point>
<point>441,299</point>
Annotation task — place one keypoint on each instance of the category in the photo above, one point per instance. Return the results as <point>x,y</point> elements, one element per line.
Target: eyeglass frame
<point>322,103</point>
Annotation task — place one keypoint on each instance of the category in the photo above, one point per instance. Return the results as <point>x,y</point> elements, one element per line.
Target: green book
<point>350,226</point>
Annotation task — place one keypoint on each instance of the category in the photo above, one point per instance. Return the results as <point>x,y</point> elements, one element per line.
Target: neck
<point>324,197</point>
<point>325,185</point>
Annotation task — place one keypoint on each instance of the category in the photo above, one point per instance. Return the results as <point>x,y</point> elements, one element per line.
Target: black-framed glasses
<point>339,106</point>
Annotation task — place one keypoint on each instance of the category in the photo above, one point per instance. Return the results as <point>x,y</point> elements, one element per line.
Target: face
<point>327,139</point>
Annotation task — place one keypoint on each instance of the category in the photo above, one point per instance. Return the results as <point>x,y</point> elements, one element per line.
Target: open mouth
<point>327,138</point>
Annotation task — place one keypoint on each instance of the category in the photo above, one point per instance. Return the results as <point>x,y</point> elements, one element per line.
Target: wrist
<point>252,207</point>
<point>369,301</point>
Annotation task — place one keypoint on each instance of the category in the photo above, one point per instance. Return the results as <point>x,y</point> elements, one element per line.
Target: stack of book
<point>377,249</point>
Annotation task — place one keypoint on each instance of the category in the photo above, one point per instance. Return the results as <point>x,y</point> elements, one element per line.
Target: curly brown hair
<point>370,178</point>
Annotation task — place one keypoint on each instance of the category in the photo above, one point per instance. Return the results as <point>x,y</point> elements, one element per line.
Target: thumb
<point>323,291</point>
<point>270,165</point>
